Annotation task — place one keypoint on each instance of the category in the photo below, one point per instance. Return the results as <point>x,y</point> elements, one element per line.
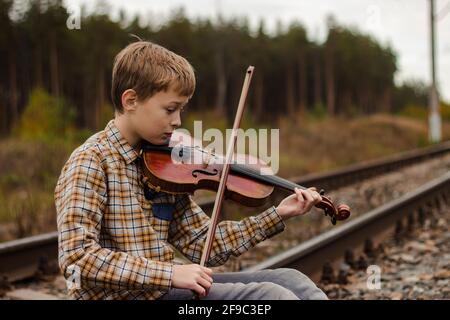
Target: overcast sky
<point>404,24</point>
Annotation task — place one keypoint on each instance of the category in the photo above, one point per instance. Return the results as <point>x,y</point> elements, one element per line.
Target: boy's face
<point>155,118</point>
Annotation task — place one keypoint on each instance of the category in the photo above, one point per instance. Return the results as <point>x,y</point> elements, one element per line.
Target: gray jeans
<point>277,284</point>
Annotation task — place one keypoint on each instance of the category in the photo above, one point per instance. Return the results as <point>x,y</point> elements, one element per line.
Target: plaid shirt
<point>116,244</point>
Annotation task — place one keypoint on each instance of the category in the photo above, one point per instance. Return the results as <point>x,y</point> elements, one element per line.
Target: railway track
<point>24,258</point>
<point>319,256</point>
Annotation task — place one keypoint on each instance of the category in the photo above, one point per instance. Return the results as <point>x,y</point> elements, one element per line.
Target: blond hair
<point>148,68</point>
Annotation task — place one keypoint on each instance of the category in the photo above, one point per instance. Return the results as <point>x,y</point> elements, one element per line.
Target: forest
<point>349,74</point>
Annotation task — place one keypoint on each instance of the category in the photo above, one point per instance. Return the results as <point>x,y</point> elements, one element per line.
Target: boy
<point>114,233</point>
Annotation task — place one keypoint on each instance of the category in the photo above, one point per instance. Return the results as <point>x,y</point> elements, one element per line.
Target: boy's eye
<point>171,110</point>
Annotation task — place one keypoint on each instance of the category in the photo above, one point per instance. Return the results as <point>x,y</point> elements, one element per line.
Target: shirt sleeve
<point>80,198</point>
<point>190,225</point>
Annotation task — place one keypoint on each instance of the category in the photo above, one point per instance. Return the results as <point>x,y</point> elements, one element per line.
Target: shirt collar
<point>113,134</point>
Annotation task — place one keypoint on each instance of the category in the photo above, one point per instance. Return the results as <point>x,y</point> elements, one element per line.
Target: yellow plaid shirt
<point>116,244</point>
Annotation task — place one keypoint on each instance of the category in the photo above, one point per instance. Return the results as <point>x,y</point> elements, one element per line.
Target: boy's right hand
<point>193,277</point>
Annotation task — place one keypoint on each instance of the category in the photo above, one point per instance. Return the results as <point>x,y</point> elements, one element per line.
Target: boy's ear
<point>129,100</point>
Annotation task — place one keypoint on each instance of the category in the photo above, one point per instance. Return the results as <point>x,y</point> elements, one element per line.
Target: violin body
<point>163,173</point>
<point>174,170</point>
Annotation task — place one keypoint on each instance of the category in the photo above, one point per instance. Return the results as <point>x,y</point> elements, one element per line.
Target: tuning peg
<point>333,220</point>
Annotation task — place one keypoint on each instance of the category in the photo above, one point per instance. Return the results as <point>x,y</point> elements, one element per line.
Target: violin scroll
<point>342,212</point>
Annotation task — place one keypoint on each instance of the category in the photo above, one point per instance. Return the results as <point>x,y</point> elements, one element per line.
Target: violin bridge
<point>207,159</point>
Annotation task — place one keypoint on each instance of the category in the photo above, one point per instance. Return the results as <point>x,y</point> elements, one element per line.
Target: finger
<point>199,290</point>
<point>309,199</point>
<point>317,197</point>
<point>208,271</point>
<point>300,197</point>
<point>308,195</point>
<point>207,277</point>
<point>204,283</point>
<point>300,202</point>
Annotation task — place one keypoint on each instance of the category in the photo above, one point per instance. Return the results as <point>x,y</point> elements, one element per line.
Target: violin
<point>173,170</point>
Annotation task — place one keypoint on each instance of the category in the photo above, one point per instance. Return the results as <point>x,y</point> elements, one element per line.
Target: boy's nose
<point>176,121</point>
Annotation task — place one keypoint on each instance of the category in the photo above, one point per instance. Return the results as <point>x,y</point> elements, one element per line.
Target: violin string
<point>169,149</point>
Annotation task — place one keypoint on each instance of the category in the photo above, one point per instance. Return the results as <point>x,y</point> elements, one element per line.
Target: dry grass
<point>321,145</point>
<point>29,170</point>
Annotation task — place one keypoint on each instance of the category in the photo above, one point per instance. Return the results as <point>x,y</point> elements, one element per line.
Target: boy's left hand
<point>298,203</point>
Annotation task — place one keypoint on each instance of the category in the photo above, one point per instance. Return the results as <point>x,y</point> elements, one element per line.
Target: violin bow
<point>224,176</point>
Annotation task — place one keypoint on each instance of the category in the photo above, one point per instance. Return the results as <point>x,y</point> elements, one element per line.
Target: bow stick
<point>224,176</point>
